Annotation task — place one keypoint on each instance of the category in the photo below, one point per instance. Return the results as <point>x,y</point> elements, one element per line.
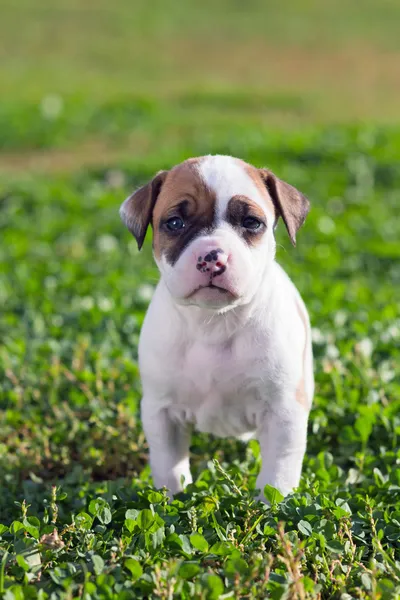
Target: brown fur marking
<point>258,180</point>
<point>240,207</point>
<point>185,195</point>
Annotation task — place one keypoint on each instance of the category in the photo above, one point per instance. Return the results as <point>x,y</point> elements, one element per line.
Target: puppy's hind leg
<point>168,443</point>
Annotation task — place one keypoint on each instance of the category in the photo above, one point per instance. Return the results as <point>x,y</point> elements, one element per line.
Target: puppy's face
<point>213,222</point>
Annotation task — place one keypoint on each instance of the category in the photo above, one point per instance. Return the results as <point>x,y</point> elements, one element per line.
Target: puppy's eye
<point>174,224</point>
<point>251,223</point>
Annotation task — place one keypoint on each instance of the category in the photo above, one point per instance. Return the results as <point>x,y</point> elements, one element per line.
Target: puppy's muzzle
<point>213,263</point>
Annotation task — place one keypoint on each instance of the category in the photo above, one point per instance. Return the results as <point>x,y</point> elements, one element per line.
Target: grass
<point>95,99</point>
<point>109,77</point>
<point>72,454</point>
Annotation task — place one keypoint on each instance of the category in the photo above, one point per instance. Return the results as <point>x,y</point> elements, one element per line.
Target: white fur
<point>230,368</point>
<point>227,177</point>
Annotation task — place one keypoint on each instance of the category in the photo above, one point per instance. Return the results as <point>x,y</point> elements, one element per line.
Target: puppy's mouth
<point>216,287</point>
<point>211,286</point>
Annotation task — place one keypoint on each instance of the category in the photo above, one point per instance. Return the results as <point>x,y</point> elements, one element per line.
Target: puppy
<point>225,346</point>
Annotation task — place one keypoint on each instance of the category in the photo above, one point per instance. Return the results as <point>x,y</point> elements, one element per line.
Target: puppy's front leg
<point>283,437</point>
<point>169,447</point>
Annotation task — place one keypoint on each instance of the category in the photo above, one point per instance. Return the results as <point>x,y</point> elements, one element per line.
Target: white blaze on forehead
<point>227,177</point>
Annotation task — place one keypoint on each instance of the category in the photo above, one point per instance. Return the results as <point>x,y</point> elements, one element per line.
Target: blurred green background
<point>90,82</point>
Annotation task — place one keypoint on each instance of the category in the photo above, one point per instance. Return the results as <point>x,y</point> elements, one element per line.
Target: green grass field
<point>96,97</point>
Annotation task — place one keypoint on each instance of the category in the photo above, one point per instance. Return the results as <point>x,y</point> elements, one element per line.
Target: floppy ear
<point>289,203</point>
<point>137,210</point>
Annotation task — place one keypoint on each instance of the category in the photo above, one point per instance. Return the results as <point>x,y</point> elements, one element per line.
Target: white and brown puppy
<point>225,346</point>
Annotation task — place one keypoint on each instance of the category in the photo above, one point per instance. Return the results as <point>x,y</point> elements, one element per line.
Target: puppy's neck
<point>218,326</point>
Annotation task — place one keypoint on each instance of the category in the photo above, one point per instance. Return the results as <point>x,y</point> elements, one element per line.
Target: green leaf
<point>187,570</point>
<point>104,515</point>
<point>16,526</point>
<point>210,505</point>
<point>335,546</point>
<point>186,547</point>
<point>3,529</point>
<point>199,542</point>
<point>366,581</point>
<point>308,583</point>
<point>83,521</point>
<point>155,497</point>
<point>158,537</point>
<point>100,509</point>
<point>214,586</point>
<point>32,525</point>
<point>31,522</point>
<point>134,567</point>
<point>33,557</point>
<point>305,528</point>
<point>272,495</point>
<point>174,540</point>
<point>22,562</point>
<point>130,525</point>
<point>94,506</point>
<point>236,565</point>
<point>222,548</point>
<point>132,514</point>
<point>145,519</point>
<point>343,505</point>
<point>339,512</point>
<point>98,564</point>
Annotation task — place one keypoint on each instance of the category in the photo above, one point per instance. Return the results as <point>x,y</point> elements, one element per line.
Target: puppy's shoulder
<point>286,294</point>
<point>288,317</point>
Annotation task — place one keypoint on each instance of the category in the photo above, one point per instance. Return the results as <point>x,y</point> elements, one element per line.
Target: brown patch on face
<point>258,181</point>
<point>184,195</point>
<point>242,211</point>
<point>301,396</point>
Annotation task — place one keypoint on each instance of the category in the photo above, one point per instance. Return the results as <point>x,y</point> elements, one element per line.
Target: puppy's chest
<point>216,388</point>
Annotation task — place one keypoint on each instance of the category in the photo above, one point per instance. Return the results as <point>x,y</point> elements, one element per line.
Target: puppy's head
<point>213,222</point>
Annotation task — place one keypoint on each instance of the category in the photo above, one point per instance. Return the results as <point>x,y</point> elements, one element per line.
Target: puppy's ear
<point>137,210</point>
<point>289,203</point>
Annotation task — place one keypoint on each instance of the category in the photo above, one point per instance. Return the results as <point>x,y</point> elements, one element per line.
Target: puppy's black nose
<point>214,262</point>
<point>212,256</point>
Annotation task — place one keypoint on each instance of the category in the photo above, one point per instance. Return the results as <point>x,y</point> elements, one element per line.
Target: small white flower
<point>394,331</point>
<point>365,347</point>
<point>386,372</point>
<point>145,292</point>
<point>87,303</point>
<point>51,106</point>
<point>107,243</point>
<point>340,318</point>
<point>332,351</point>
<point>50,282</point>
<point>317,336</point>
<point>115,179</point>
<point>326,225</point>
<point>105,304</point>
